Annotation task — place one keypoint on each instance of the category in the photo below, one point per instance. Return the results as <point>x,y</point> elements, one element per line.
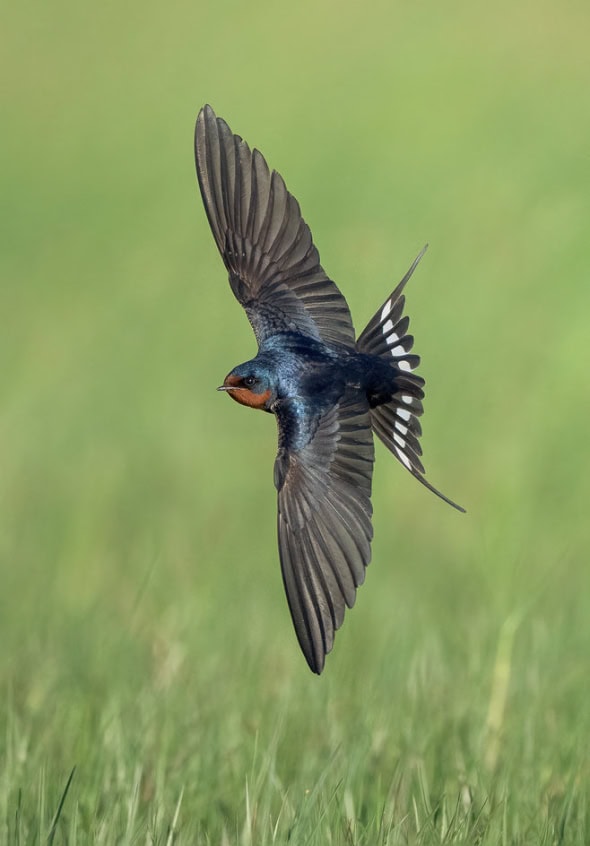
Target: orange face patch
<point>247,397</point>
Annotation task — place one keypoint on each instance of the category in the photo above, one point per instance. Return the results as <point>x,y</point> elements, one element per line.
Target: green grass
<point>144,635</point>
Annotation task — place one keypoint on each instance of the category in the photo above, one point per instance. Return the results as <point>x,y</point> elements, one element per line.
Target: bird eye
<point>249,381</point>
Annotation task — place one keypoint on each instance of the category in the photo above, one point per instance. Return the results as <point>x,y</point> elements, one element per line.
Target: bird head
<point>249,384</point>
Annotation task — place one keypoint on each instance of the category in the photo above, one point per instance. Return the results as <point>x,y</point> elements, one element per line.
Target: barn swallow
<point>328,390</point>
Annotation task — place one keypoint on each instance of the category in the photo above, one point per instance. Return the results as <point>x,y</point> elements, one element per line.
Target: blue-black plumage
<point>328,391</point>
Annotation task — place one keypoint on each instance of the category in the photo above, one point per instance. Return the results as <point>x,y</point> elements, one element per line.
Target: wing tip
<point>206,116</point>
<point>209,124</point>
<point>316,667</point>
<point>206,111</point>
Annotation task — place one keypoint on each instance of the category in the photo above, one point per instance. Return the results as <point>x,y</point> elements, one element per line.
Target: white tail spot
<point>393,338</point>
<point>387,326</point>
<point>401,428</point>
<point>403,458</point>
<point>403,413</point>
<point>399,350</point>
<point>399,440</point>
<point>404,365</point>
<point>407,399</point>
<point>385,310</point>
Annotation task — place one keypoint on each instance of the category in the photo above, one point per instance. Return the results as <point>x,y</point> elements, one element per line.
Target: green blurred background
<point>144,635</point>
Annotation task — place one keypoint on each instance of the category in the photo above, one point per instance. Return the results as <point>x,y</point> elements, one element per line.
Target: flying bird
<point>328,390</point>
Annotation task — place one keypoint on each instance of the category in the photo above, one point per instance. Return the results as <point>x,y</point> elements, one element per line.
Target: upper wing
<point>274,268</point>
<point>324,516</point>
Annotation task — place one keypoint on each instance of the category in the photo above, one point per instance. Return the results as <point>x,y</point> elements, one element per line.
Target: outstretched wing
<point>323,477</point>
<point>274,267</point>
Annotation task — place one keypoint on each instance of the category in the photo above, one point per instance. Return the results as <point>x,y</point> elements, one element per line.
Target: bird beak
<point>224,388</point>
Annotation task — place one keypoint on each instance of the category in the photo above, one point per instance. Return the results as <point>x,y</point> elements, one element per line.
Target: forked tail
<point>396,421</point>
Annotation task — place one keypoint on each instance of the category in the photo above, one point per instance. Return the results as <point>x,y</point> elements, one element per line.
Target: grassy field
<point>144,636</point>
